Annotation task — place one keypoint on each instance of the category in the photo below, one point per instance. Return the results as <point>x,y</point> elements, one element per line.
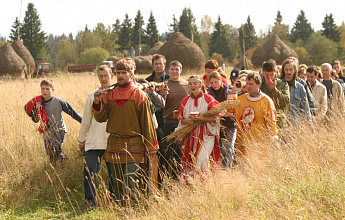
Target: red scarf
<point>196,98</point>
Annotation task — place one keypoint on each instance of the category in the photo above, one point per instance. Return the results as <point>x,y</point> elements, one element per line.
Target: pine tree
<point>279,18</point>
<point>116,30</point>
<point>137,30</point>
<point>151,36</point>
<point>330,28</point>
<point>219,42</point>
<point>174,26</point>
<point>125,32</point>
<point>15,31</point>
<point>249,34</point>
<point>32,35</point>
<point>282,30</point>
<point>302,28</point>
<point>187,25</point>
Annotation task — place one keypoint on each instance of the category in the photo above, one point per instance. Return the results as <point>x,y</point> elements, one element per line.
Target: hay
<point>247,63</point>
<point>177,135</point>
<point>10,62</point>
<point>25,54</point>
<point>184,50</point>
<point>274,48</point>
<point>114,59</point>
<point>143,64</point>
<point>155,48</point>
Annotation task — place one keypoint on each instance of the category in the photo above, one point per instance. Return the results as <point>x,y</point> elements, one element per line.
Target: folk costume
<point>203,141</point>
<point>256,119</point>
<point>132,134</point>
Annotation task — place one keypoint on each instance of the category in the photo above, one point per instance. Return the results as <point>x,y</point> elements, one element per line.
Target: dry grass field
<point>302,177</point>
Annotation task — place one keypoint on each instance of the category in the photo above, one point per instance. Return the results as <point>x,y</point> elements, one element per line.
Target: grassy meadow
<point>302,177</point>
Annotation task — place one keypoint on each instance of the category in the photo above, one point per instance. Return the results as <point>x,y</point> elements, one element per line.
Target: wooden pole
<point>242,50</point>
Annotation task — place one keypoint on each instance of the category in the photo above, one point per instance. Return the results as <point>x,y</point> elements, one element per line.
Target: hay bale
<point>143,64</point>
<point>247,63</point>
<point>155,48</point>
<point>25,54</point>
<point>274,48</point>
<point>184,50</point>
<point>10,62</point>
<point>114,59</point>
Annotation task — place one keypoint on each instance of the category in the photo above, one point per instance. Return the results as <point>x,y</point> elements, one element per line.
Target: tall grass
<point>300,177</point>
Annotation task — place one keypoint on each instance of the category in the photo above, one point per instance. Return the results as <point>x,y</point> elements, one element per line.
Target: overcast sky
<point>71,16</point>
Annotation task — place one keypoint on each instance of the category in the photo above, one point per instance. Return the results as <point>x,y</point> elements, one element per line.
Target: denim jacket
<point>299,106</point>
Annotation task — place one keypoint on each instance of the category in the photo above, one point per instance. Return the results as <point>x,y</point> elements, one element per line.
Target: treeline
<point>217,40</point>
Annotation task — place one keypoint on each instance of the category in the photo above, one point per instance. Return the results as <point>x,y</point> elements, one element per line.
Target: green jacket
<point>280,95</point>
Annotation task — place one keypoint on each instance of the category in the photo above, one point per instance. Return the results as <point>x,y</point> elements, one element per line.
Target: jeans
<point>124,181</point>
<point>91,167</point>
<point>227,147</point>
<point>169,157</point>
<point>52,144</point>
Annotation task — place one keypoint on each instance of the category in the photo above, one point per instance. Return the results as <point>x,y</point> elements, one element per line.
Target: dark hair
<point>255,76</point>
<point>289,61</point>
<point>269,65</point>
<point>104,67</point>
<point>212,64</point>
<point>335,62</point>
<point>313,69</point>
<point>158,56</point>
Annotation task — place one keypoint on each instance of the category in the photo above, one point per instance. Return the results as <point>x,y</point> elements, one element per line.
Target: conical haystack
<point>10,62</point>
<point>184,50</point>
<point>155,48</point>
<point>25,54</point>
<point>143,64</point>
<point>275,49</point>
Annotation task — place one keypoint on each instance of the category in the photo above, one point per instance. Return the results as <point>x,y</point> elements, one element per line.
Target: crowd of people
<point>125,123</point>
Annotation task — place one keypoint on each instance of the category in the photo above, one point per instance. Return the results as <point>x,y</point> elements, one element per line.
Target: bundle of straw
<point>186,129</point>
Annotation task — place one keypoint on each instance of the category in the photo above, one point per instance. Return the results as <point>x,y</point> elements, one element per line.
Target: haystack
<point>275,49</point>
<point>114,59</point>
<point>25,54</point>
<point>155,48</point>
<point>247,63</point>
<point>184,50</point>
<point>10,62</point>
<point>144,64</point>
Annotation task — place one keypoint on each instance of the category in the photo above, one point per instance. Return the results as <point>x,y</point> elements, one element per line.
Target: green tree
<point>125,32</point>
<point>321,49</point>
<point>64,53</point>
<point>303,55</point>
<point>282,30</point>
<point>105,33</point>
<point>137,32</point>
<point>32,35</point>
<point>15,31</point>
<point>205,33</point>
<point>151,33</point>
<point>187,25</point>
<point>219,42</point>
<point>302,28</point>
<point>174,27</point>
<point>86,40</point>
<point>232,36</point>
<point>249,34</point>
<point>330,28</point>
<point>95,55</point>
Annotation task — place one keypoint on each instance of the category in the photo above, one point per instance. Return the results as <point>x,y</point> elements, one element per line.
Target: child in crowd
<point>47,110</point>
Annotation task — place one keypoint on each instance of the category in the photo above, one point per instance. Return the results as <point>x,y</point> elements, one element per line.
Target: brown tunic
<point>130,125</point>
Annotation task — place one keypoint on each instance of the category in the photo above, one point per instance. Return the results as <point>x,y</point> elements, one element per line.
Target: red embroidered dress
<point>202,142</point>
